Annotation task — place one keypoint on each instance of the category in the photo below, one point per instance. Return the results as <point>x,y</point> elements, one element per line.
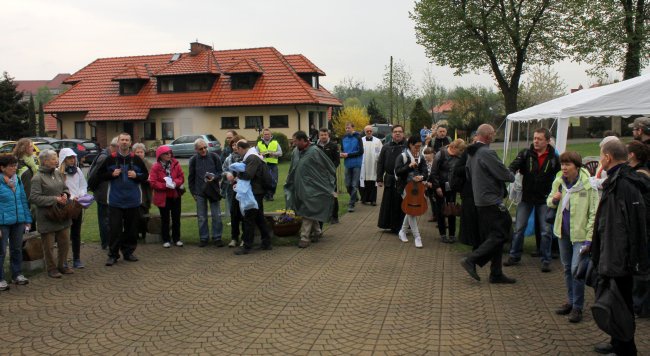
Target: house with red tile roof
<point>203,91</point>
<point>55,85</point>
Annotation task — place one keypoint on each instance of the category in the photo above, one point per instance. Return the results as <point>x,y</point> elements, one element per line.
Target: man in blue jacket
<point>352,153</point>
<point>125,172</point>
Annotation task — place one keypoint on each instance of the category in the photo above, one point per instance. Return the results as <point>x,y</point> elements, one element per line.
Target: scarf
<point>11,182</point>
<point>578,186</point>
<point>167,166</point>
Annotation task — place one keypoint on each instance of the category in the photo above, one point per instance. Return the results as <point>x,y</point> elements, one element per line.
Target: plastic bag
<point>245,196</point>
<point>515,190</point>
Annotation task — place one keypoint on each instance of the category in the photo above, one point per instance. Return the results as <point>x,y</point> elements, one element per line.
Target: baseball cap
<point>640,122</point>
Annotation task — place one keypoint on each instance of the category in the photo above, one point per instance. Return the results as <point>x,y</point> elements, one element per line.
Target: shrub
<point>284,144</point>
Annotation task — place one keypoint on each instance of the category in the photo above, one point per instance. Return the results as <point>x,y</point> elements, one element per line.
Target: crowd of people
<point>600,223</point>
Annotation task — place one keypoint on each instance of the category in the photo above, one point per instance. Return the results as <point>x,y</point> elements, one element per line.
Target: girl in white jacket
<point>77,185</point>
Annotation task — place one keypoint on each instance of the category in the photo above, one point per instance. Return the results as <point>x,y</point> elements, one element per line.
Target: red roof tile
<point>133,72</point>
<point>97,94</point>
<point>302,65</point>
<point>444,107</point>
<point>50,123</point>
<point>245,66</point>
<point>32,86</point>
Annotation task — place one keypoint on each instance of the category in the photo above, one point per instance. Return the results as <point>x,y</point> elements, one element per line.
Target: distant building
<point>161,97</point>
<point>56,86</point>
<point>442,111</point>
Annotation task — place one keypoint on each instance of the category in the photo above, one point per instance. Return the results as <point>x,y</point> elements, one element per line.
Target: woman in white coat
<point>77,185</point>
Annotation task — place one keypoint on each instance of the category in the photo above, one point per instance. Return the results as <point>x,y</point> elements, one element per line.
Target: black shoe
<point>130,258</point>
<point>203,243</point>
<point>266,247</point>
<point>535,254</point>
<point>502,279</point>
<point>605,348</point>
<point>334,221</point>
<point>104,247</point>
<point>219,243</point>
<point>575,316</point>
<point>565,309</point>
<point>242,251</point>
<point>545,267</point>
<point>470,268</point>
<point>111,261</point>
<point>511,261</point>
<point>373,203</point>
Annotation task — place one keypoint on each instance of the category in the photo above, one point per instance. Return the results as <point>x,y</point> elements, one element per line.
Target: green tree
<point>43,95</point>
<point>610,33</point>
<point>403,90</point>
<point>31,116</point>
<point>542,85</point>
<point>474,106</point>
<point>13,113</point>
<point>498,36</point>
<point>41,120</point>
<point>419,117</point>
<point>433,94</point>
<point>376,116</point>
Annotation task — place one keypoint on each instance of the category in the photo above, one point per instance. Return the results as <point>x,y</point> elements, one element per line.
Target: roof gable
<point>133,71</point>
<point>245,66</point>
<point>302,65</point>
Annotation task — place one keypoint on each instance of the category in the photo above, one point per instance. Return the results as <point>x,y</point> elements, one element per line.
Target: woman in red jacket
<point>166,179</point>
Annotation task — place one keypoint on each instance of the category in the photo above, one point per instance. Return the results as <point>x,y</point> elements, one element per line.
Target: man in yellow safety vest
<point>270,149</point>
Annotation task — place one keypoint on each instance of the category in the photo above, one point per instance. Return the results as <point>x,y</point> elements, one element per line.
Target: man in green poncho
<point>309,187</point>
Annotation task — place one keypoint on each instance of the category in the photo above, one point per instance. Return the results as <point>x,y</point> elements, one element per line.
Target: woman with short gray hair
<point>49,189</point>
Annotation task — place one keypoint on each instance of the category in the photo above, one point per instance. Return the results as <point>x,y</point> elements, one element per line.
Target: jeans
<point>571,259</point>
<point>273,168</point>
<point>352,183</point>
<point>75,236</point>
<point>172,208</point>
<point>102,218</point>
<point>523,212</point>
<point>236,219</point>
<point>202,218</point>
<point>13,234</point>
<point>495,223</point>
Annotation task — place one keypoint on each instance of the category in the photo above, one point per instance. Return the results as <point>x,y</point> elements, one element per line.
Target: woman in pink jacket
<point>166,179</point>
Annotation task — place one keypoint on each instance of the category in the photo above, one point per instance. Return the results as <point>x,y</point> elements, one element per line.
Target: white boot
<point>418,241</point>
<point>402,236</point>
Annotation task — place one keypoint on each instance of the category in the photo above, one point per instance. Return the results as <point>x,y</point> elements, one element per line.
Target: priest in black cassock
<point>391,215</point>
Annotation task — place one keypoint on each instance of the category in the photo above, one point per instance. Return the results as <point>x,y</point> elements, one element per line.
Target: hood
<point>471,149</point>
<point>65,153</point>
<point>162,149</point>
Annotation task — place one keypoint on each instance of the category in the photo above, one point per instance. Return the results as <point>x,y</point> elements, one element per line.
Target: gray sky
<point>345,38</point>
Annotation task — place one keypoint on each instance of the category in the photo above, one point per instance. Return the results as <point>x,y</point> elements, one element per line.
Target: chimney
<point>196,48</point>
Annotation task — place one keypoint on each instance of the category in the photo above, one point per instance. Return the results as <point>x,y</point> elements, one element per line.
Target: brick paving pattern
<point>358,291</point>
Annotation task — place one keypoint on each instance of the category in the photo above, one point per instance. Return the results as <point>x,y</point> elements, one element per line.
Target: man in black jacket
<point>391,215</point>
<point>331,149</point>
<point>619,246</point>
<point>253,217</point>
<point>539,165</point>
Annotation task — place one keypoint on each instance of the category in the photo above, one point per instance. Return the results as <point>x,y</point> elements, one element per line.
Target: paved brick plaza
<point>359,291</point>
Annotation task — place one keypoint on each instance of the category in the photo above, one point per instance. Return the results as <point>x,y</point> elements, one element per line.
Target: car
<point>381,130</point>
<point>184,145</point>
<point>7,148</point>
<point>86,150</point>
<point>43,139</point>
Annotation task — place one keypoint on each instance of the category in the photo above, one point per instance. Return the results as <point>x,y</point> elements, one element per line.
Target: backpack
<point>268,183</point>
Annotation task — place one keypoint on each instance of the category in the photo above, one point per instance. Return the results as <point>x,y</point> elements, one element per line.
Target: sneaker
<point>575,316</point>
<point>502,279</point>
<point>20,280</point>
<point>179,243</point>
<point>203,243</point>
<point>402,236</point>
<point>303,243</point>
<point>350,209</point>
<point>418,242</point>
<point>167,245</point>
<point>443,238</point>
<point>131,258</point>
<point>565,309</point>
<point>78,264</point>
<point>233,243</point>
<point>4,285</point>
<point>545,267</point>
<point>511,262</point>
<point>451,239</point>
<point>219,243</point>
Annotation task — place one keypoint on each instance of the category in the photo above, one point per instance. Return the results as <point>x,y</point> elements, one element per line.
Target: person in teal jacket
<point>14,218</point>
<point>576,202</point>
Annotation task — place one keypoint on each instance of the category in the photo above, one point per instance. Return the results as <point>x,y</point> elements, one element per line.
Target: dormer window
<point>311,79</point>
<point>185,83</point>
<point>130,87</point>
<point>243,81</point>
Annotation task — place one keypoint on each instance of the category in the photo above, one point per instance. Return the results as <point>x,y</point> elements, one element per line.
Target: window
<point>167,130</point>
<point>185,83</point>
<point>130,87</point>
<point>254,122</point>
<point>128,128</point>
<point>149,130</point>
<point>279,121</point>
<point>80,129</point>
<point>166,85</point>
<point>243,81</point>
<point>230,122</point>
<point>311,79</point>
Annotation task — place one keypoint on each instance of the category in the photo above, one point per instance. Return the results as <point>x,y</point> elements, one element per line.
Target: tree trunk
<point>510,100</point>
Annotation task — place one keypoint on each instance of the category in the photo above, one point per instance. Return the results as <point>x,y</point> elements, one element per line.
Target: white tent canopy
<point>629,97</point>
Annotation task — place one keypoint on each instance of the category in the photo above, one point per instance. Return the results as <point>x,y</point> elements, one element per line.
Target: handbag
<point>212,190</point>
<point>58,212</point>
<point>452,209</point>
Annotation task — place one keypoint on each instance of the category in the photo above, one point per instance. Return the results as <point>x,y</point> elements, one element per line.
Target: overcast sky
<point>345,38</point>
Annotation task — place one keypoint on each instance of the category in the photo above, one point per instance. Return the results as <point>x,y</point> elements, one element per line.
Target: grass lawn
<point>189,226</point>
